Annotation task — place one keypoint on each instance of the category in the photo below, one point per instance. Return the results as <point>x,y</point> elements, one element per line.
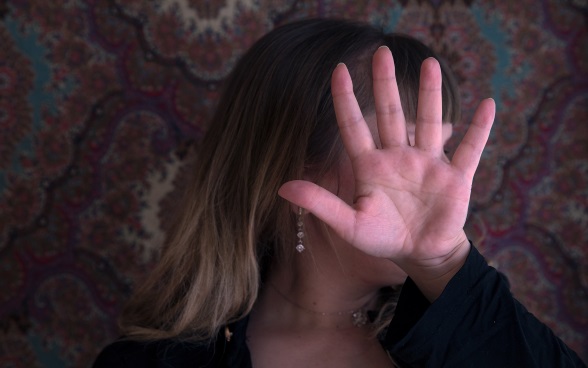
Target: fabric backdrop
<point>101,99</point>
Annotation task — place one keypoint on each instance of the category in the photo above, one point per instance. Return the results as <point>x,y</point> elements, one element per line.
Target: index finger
<point>355,133</point>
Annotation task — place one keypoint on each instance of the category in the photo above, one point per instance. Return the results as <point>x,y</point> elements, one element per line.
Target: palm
<point>413,199</point>
<point>410,202</point>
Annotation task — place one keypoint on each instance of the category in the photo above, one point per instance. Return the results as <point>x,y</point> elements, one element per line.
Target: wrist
<point>432,278</point>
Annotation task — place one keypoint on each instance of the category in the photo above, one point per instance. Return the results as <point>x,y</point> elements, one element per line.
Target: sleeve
<point>476,322</point>
<point>157,354</point>
<point>125,354</point>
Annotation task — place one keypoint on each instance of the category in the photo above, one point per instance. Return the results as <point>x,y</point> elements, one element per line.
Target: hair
<point>274,122</point>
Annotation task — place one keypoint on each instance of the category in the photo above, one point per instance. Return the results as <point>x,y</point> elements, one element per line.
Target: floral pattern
<point>100,99</point>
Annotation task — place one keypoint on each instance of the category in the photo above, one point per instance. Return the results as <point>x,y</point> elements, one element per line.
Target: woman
<point>313,198</point>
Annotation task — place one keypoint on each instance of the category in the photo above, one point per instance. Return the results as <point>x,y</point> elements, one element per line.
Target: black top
<point>475,322</point>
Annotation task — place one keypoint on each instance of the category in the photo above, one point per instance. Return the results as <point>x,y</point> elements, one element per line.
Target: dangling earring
<point>300,231</point>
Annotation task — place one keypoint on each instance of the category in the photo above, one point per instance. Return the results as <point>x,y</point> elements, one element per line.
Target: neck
<point>303,294</point>
<point>329,278</point>
<point>358,316</point>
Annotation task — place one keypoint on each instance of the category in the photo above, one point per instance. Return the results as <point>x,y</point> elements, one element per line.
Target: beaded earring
<point>300,231</point>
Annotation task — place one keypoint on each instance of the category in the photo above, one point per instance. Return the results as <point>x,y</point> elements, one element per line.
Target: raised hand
<point>410,202</point>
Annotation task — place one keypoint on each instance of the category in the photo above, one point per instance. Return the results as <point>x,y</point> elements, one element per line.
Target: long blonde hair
<point>274,122</point>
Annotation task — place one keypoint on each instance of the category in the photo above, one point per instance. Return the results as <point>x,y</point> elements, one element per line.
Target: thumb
<point>325,205</point>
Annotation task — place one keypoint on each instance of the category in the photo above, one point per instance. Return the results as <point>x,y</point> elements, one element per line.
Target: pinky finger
<point>468,153</point>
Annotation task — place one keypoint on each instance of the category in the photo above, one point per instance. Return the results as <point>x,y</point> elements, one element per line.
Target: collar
<point>234,353</point>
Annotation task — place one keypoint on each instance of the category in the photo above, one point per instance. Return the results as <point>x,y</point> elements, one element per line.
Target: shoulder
<point>147,354</point>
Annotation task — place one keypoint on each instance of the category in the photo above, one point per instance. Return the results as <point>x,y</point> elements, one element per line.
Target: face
<point>354,263</point>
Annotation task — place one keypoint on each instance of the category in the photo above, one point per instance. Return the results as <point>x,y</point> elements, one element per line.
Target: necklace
<point>359,317</point>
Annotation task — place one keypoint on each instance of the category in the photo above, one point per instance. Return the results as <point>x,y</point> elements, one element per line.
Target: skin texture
<point>410,203</point>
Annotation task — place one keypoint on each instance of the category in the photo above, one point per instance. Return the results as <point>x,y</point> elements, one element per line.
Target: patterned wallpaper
<point>101,99</point>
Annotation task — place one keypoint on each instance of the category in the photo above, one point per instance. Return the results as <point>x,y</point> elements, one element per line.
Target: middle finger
<point>429,118</point>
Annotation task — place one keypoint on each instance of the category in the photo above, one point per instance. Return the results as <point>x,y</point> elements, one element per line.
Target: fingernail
<point>383,47</point>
